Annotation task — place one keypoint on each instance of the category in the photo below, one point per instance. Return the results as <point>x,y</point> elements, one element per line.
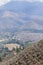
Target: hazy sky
<point>2,2</point>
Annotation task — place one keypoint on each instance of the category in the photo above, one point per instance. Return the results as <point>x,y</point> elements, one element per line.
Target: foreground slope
<point>31,56</point>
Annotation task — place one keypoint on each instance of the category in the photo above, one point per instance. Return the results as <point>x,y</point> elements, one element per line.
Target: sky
<point>2,2</point>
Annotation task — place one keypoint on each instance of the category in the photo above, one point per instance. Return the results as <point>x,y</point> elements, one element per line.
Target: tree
<point>0,59</point>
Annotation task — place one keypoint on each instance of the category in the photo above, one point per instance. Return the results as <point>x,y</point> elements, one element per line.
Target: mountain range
<point>22,17</point>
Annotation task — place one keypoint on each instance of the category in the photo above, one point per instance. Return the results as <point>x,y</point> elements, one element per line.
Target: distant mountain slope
<point>32,55</point>
<point>11,21</point>
<point>21,15</point>
<point>24,7</point>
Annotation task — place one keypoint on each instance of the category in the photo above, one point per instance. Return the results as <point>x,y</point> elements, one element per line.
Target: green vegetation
<point>28,43</point>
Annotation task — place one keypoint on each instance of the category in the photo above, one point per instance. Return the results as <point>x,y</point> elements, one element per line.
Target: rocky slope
<point>30,56</point>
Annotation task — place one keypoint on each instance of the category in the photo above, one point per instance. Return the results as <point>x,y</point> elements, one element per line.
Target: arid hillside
<point>32,55</point>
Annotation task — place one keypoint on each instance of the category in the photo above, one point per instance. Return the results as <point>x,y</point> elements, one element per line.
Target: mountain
<point>20,17</point>
<point>21,13</point>
<point>31,55</point>
<point>24,7</point>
